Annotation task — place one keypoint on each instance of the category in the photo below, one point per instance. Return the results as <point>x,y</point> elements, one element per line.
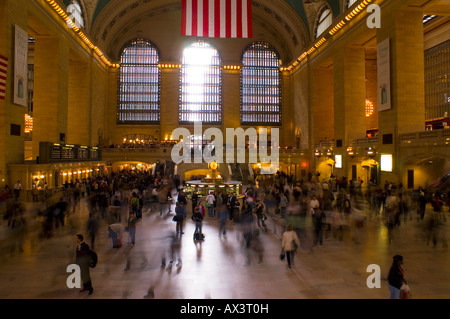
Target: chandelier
<point>369,108</point>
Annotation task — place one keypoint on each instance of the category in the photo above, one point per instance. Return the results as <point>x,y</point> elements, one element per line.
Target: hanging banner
<point>384,75</point>
<point>20,66</point>
<point>3,74</point>
<point>217,18</point>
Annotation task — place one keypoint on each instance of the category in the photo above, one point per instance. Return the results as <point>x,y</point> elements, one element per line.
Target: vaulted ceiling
<point>286,24</point>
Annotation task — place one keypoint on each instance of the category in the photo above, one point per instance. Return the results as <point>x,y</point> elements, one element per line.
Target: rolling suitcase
<point>198,236</point>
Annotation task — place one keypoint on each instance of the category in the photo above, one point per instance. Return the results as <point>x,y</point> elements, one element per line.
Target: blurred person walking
<point>83,260</point>
<point>173,252</point>
<point>92,227</point>
<point>194,200</point>
<point>115,233</point>
<point>210,200</point>
<point>289,244</point>
<point>247,222</point>
<point>163,201</point>
<point>17,189</point>
<point>131,227</point>
<point>261,217</point>
<point>232,200</point>
<point>396,277</point>
<point>318,220</point>
<point>180,216</point>
<point>257,245</point>
<point>283,204</point>
<point>222,214</point>
<point>422,202</point>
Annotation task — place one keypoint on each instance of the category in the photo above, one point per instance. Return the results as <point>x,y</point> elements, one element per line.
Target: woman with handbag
<point>289,244</point>
<point>396,277</point>
<point>180,216</point>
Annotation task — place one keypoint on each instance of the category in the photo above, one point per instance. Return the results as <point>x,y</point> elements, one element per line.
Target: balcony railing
<point>437,137</point>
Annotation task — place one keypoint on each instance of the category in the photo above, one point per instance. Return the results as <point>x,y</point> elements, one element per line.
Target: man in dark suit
<point>194,200</point>
<point>231,205</point>
<point>83,260</point>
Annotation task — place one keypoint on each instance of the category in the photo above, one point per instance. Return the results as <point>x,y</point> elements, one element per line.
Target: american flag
<point>217,18</point>
<point>3,72</point>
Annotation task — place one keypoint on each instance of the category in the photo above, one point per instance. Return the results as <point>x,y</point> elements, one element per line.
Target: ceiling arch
<point>117,22</point>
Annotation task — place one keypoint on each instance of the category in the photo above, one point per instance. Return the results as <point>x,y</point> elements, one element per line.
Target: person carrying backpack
<point>83,260</point>
<point>197,217</point>
<point>134,202</point>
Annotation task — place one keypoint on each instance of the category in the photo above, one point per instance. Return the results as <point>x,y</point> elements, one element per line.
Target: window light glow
<point>200,92</point>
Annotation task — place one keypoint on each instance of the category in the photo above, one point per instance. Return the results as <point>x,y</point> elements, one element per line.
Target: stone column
<point>231,100</point>
<point>404,29</point>
<point>349,94</point>
<point>288,127</point>
<point>11,13</point>
<point>78,126</point>
<point>51,80</point>
<point>349,101</point>
<point>322,105</point>
<point>170,79</point>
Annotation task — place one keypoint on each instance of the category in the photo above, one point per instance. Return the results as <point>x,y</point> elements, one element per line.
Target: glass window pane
<point>201,87</point>
<point>437,83</point>
<point>139,84</point>
<point>351,2</point>
<point>325,20</point>
<point>260,85</point>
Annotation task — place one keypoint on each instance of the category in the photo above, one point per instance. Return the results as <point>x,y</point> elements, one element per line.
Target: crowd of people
<point>304,213</point>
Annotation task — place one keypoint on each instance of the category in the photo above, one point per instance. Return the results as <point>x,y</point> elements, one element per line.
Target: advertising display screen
<point>386,163</point>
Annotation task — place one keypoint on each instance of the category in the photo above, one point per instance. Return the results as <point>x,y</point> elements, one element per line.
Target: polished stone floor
<point>33,267</point>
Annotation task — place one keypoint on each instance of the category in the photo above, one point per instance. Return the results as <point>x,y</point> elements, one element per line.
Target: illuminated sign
<point>338,161</point>
<point>386,163</point>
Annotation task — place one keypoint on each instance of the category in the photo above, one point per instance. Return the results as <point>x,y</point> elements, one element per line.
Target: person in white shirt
<point>210,199</point>
<point>314,204</point>
<point>17,188</point>
<point>289,244</point>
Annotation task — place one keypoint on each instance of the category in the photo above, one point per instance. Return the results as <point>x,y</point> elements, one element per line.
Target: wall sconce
<point>350,151</point>
<point>169,66</point>
<point>370,151</point>
<point>232,67</point>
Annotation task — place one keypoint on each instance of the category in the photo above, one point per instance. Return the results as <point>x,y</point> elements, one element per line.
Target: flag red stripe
<point>3,64</point>
<point>2,77</point>
<point>249,19</point>
<point>239,18</point>
<point>205,18</point>
<point>194,17</point>
<point>236,24</point>
<point>228,19</point>
<point>217,18</point>
<point>183,17</point>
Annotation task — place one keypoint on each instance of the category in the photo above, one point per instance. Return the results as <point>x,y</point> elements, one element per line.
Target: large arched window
<point>260,85</point>
<point>76,12</point>
<point>201,85</point>
<point>324,21</point>
<point>139,84</point>
<point>349,3</point>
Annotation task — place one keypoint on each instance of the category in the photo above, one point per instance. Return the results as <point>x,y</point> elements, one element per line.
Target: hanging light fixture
<point>369,108</point>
